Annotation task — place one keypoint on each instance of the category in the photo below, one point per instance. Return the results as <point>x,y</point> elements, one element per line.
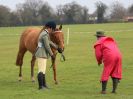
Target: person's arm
<point>56,47</point>
<point>98,54</point>
<point>53,45</point>
<point>47,45</point>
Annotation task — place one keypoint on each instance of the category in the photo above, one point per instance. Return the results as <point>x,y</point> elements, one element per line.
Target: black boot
<point>115,83</point>
<point>44,82</point>
<point>104,84</point>
<point>40,80</point>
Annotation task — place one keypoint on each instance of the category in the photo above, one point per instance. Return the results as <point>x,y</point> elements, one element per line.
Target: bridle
<point>62,59</point>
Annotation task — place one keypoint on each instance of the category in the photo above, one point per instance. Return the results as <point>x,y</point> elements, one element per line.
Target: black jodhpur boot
<point>44,82</point>
<point>40,80</point>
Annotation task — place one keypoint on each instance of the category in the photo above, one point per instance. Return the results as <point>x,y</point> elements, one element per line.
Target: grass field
<point>78,77</point>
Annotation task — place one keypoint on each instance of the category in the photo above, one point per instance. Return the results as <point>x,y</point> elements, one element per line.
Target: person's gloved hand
<point>60,50</point>
<point>99,63</point>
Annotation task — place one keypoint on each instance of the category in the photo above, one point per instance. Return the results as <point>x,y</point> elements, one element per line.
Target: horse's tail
<point>19,60</point>
<point>20,55</point>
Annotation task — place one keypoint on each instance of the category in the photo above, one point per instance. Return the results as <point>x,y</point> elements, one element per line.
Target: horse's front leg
<point>54,70</point>
<point>20,73</point>
<point>32,68</point>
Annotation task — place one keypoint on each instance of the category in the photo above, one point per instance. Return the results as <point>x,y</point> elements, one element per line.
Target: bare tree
<point>14,19</point>
<point>37,12</point>
<point>29,12</point>
<point>72,13</point>
<point>85,15</point>
<point>117,11</point>
<point>130,10</point>
<point>46,13</point>
<point>69,12</point>
<point>4,16</point>
<point>60,14</point>
<point>101,10</point>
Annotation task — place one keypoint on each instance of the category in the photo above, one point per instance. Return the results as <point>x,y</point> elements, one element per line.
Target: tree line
<point>37,12</point>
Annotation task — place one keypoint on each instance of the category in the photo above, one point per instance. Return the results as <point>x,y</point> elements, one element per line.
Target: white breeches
<point>42,65</point>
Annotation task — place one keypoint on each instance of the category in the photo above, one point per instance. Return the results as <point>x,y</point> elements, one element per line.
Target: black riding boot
<point>115,83</point>
<point>44,82</point>
<point>104,84</point>
<point>40,80</point>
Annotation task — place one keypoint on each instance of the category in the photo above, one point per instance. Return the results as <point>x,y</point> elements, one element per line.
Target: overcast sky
<point>90,4</point>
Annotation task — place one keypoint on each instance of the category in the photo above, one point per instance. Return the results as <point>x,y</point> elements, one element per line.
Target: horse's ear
<point>60,27</point>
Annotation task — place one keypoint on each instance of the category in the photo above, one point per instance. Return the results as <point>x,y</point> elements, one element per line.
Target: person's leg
<point>115,84</point>
<point>41,72</point>
<point>104,84</point>
<point>44,82</point>
<point>104,78</point>
<point>116,74</point>
<point>40,80</point>
<point>44,74</point>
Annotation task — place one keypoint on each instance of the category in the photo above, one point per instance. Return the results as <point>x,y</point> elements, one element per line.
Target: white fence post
<point>67,36</point>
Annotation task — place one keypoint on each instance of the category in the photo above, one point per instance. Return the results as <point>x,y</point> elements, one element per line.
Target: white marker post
<point>67,36</point>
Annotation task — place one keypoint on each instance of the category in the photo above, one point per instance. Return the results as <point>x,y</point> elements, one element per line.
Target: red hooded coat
<point>106,51</point>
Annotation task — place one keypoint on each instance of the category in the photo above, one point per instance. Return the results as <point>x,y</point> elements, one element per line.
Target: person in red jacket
<point>107,52</point>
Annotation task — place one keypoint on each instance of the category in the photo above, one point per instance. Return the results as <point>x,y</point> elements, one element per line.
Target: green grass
<point>78,77</point>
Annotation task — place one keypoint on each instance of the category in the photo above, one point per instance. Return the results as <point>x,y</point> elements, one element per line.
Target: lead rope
<point>62,59</point>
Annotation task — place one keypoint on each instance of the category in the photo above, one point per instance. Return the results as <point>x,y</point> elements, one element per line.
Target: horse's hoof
<point>56,83</point>
<point>33,79</point>
<point>20,79</point>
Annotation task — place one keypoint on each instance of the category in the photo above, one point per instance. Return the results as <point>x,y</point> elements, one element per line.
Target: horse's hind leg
<point>20,59</point>
<point>20,73</point>
<point>32,68</point>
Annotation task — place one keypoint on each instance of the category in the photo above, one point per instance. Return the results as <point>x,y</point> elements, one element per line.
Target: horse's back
<point>29,39</point>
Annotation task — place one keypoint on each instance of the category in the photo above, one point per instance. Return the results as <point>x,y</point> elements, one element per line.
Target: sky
<point>90,4</point>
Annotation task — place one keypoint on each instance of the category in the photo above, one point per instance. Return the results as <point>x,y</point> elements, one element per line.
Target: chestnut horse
<point>28,42</point>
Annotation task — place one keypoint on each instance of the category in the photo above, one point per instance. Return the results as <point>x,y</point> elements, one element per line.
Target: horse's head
<point>58,37</point>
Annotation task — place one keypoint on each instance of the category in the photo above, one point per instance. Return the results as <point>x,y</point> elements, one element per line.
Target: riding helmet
<point>51,24</point>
